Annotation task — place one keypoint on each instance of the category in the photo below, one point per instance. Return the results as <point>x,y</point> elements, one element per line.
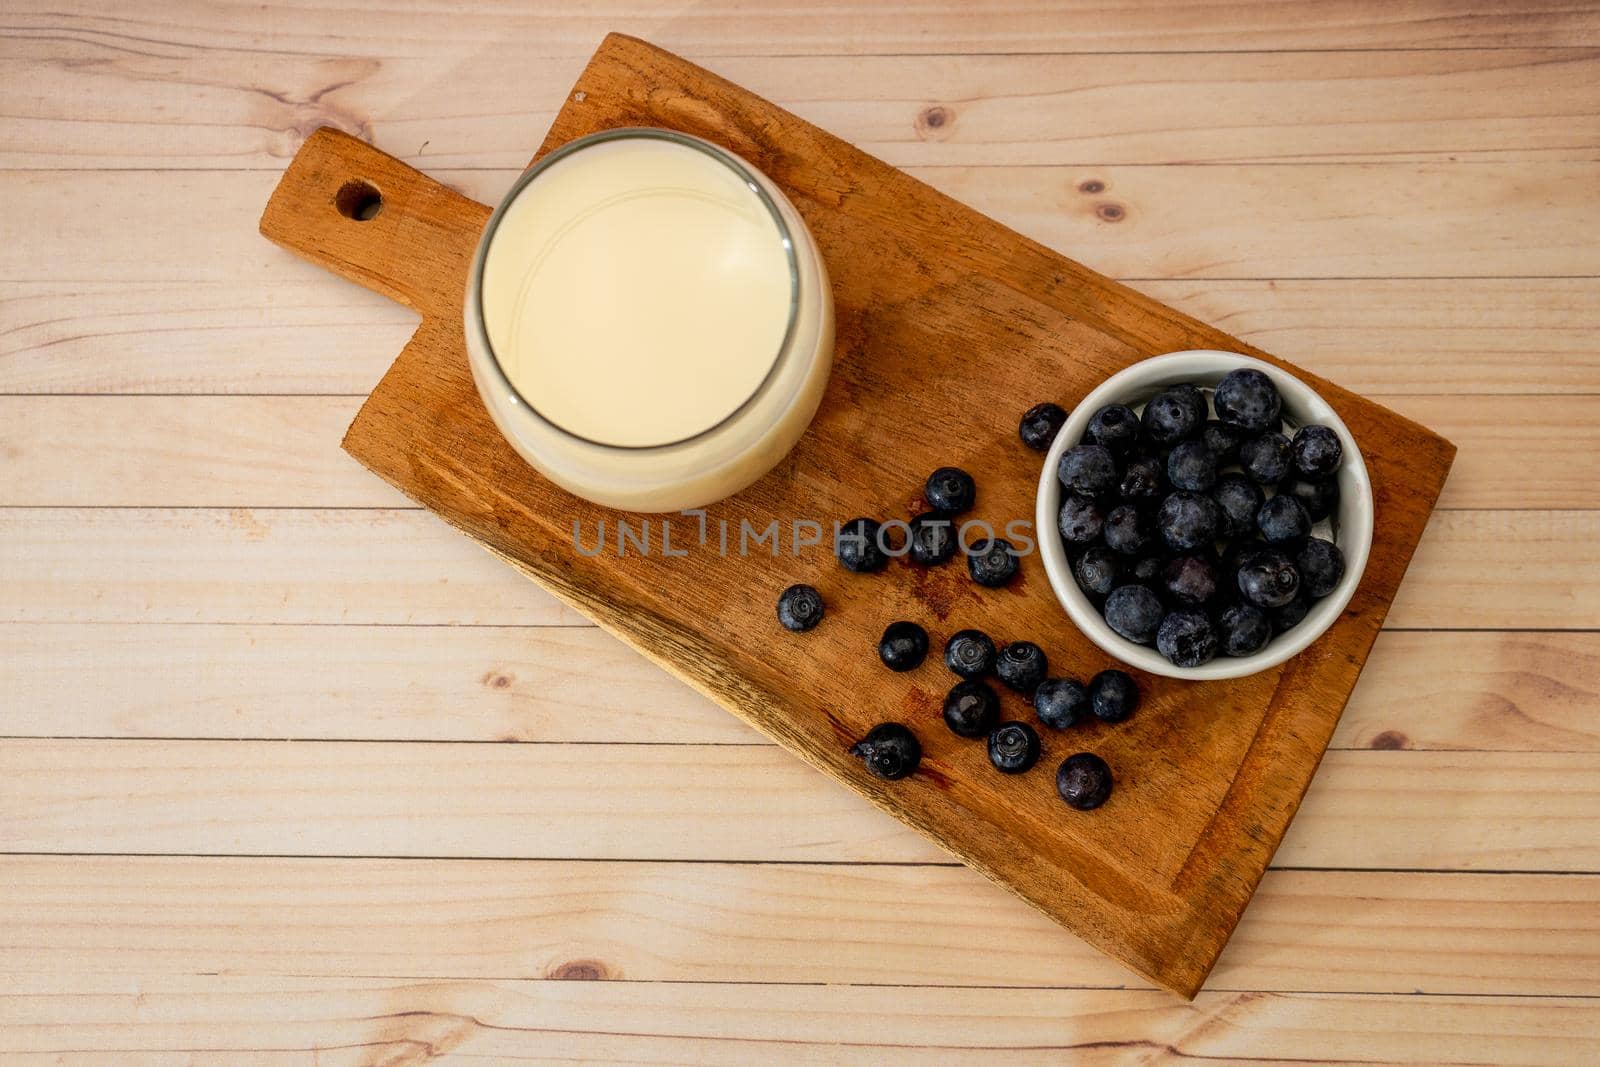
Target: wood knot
<point>935,121</point>
<point>497,680</point>
<point>1391,739</point>
<point>1092,186</point>
<point>1111,212</point>
<point>580,971</point>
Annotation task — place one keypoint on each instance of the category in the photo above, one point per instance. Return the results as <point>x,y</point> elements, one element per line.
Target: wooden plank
<point>643,922</point>
<point>275,1019</point>
<point>435,27</point>
<point>302,335</point>
<point>1296,220</point>
<point>1492,692</point>
<point>1474,569</point>
<point>65,105</point>
<point>1365,809</point>
<point>137,451</point>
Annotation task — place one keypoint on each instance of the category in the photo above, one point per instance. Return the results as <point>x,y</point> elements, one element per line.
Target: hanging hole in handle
<point>359,200</point>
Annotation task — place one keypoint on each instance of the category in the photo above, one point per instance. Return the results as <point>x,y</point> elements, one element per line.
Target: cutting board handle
<point>367,216</point>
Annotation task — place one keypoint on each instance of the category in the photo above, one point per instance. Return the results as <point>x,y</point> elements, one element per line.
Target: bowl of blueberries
<point>1204,515</point>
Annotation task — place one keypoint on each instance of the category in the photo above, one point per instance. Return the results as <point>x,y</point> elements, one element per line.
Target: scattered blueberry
<point>1040,424</point>
<point>1289,616</point>
<point>1134,612</point>
<point>1321,566</point>
<point>1013,747</point>
<point>1170,416</point>
<point>1116,427</point>
<point>1192,466</point>
<point>971,708</point>
<point>1223,440</point>
<point>1266,458</point>
<point>1144,478</point>
<point>950,490</point>
<point>1113,696</point>
<point>800,608</point>
<point>1318,498</point>
<point>1317,452</point>
<point>1084,781</point>
<point>857,546</point>
<point>1081,519</point>
<point>1186,639</point>
<point>1188,520</point>
<point>1088,469</point>
<point>1060,702</point>
<point>992,563</point>
<point>969,653</point>
<point>1021,666</point>
<point>1243,629</point>
<point>1190,580</point>
<point>1239,499</point>
<point>1147,569</point>
<point>904,646</point>
<point>1126,530</point>
<point>1246,398</point>
<point>890,751</point>
<point>1282,521</point>
<point>1267,578</point>
<point>933,539</point>
<point>1096,570</point>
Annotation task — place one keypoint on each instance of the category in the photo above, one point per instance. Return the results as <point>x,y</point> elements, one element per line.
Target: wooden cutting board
<point>949,326</point>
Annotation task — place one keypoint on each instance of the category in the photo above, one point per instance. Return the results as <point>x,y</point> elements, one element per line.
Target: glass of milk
<point>648,321</point>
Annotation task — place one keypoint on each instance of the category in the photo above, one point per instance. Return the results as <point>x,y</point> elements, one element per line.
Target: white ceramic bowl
<point>1350,527</point>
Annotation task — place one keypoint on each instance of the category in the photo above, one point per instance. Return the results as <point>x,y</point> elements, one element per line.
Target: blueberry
<point>1190,580</point>
<point>857,548</point>
<point>1246,398</point>
<point>971,708</point>
<point>1096,570</point>
<point>1013,747</point>
<point>1188,520</point>
<point>1088,469</point>
<point>1282,521</point>
<point>1116,427</point>
<point>1021,666</point>
<point>1223,440</point>
<point>1134,612</point>
<point>1061,702</point>
<point>1081,519</point>
<point>1113,696</point>
<point>1040,424</point>
<point>1187,639</point>
<point>1318,498</point>
<point>1317,452</point>
<point>889,750</point>
<point>1191,395</point>
<point>950,490</point>
<point>1321,566</point>
<point>903,646</point>
<point>800,608</point>
<point>1266,458</point>
<point>1244,630</point>
<point>1126,530</point>
<point>1267,578</point>
<point>1084,781</point>
<point>992,563</point>
<point>1239,499</point>
<point>1146,569</point>
<point>932,540</point>
<point>969,653</point>
<point>1237,554</point>
<point>1144,479</point>
<point>1170,417</point>
<point>1192,466</point>
<point>1289,616</point>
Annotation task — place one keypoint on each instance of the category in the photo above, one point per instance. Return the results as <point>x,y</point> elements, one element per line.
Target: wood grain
<point>1491,692</point>
<point>1326,931</point>
<point>218,109</point>
<point>272,1020</point>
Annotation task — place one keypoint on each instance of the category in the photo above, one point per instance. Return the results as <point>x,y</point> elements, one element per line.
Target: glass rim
<point>723,156</point>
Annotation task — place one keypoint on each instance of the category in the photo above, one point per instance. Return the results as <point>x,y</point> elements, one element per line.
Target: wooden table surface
<point>292,773</point>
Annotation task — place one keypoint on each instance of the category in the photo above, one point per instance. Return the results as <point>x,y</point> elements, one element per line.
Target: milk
<point>638,292</point>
